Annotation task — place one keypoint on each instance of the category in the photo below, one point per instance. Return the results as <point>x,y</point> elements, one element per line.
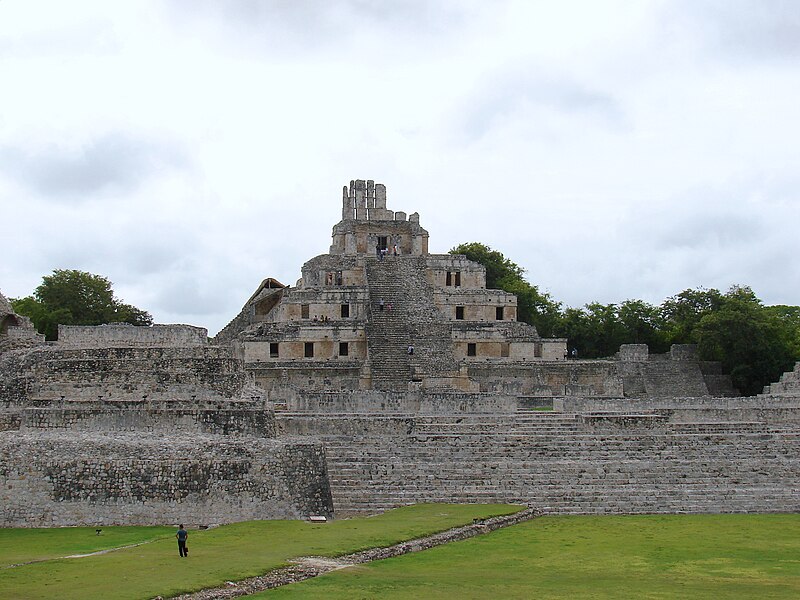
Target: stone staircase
<point>787,386</point>
<point>719,384</point>
<point>557,462</point>
<point>408,318</point>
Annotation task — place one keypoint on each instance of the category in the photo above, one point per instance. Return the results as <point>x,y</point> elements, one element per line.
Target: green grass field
<point>24,545</point>
<point>217,555</point>
<point>653,556</point>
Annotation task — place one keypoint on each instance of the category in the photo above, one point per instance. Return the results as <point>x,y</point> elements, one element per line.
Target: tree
<point>576,327</point>
<point>70,297</point>
<point>643,324</point>
<point>498,267</point>
<point>533,307</point>
<point>746,338</point>
<point>681,313</point>
<point>787,319</point>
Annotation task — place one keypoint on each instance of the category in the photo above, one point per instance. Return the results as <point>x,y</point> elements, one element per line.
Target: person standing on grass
<point>182,535</point>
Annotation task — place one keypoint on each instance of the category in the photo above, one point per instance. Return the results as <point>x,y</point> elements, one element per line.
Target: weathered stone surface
<point>375,382</point>
<point>592,459</point>
<point>77,478</point>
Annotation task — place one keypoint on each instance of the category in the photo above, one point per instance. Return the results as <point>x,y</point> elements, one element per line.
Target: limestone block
<point>634,352</point>
<point>381,214</point>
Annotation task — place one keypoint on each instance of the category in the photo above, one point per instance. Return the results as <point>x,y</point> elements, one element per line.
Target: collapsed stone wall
<point>16,331</point>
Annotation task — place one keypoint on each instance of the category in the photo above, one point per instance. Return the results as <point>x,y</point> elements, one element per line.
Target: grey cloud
<point>698,219</point>
<point>114,162</point>
<point>507,92</point>
<point>705,228</point>
<point>187,294</point>
<point>305,16</point>
<point>94,37</point>
<point>751,29</point>
<point>307,25</point>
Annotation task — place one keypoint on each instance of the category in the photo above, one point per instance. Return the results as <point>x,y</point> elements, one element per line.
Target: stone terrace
<point>704,455</point>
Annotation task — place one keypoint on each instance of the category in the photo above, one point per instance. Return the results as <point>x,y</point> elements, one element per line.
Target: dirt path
<point>312,566</point>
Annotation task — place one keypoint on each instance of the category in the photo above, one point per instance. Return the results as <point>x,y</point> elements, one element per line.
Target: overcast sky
<point>188,149</point>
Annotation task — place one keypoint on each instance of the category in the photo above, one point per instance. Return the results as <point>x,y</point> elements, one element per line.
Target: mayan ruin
<point>385,376</point>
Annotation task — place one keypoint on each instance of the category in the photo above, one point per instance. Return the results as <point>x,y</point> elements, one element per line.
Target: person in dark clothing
<point>182,535</point>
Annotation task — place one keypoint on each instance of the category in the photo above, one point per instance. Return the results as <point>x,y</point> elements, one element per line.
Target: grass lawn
<point>23,545</point>
<point>652,556</point>
<point>226,553</point>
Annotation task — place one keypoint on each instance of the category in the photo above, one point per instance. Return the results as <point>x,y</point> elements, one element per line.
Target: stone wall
<point>146,435</point>
<point>136,373</point>
<point>230,419</point>
<point>288,376</point>
<point>124,335</point>
<point>377,403</point>
<point>62,479</point>
<point>551,378</point>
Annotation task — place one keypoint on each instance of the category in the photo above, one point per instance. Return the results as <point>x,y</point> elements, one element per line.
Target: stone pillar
<point>380,195</point>
<point>347,204</point>
<point>370,193</point>
<point>360,202</point>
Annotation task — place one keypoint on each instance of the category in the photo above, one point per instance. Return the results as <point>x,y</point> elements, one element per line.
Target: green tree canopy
<point>598,330</point>
<point>752,344</point>
<point>71,297</point>
<point>533,307</point>
<point>681,313</point>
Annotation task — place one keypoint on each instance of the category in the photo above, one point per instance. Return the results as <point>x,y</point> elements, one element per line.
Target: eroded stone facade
<point>356,312</point>
<point>311,401</point>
